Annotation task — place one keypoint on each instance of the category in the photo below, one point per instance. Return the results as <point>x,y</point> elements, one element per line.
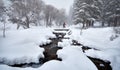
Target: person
<point>64,25</point>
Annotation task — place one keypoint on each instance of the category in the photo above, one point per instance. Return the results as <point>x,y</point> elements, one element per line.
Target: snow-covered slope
<point>95,37</point>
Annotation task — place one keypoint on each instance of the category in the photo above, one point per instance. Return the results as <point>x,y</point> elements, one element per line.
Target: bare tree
<point>26,11</point>
<point>48,12</point>
<point>2,16</point>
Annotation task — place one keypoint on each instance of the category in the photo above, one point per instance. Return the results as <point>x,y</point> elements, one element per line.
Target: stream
<point>52,48</point>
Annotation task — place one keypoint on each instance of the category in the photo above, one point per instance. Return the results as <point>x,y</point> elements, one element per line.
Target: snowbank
<point>22,46</point>
<point>73,57</point>
<point>99,38</point>
<point>5,67</point>
<point>65,43</point>
<point>54,65</point>
<point>112,55</point>
<point>95,37</point>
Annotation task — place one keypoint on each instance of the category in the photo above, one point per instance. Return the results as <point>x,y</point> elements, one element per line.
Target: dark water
<point>51,50</point>
<point>33,65</point>
<point>100,64</point>
<point>49,54</point>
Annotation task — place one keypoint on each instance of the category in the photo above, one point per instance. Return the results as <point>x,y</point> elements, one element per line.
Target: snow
<point>51,65</point>
<point>5,67</point>
<point>9,26</point>
<point>73,56</point>
<point>54,65</point>
<point>74,59</point>
<point>68,32</point>
<point>22,46</point>
<point>60,32</point>
<point>111,55</point>
<point>99,38</point>
<point>64,43</point>
<point>97,24</point>
<point>69,55</point>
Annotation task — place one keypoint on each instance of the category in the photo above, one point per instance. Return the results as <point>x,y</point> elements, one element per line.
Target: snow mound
<point>74,59</point>
<point>99,38</point>
<point>111,55</point>
<point>64,43</point>
<point>54,65</point>
<point>22,46</point>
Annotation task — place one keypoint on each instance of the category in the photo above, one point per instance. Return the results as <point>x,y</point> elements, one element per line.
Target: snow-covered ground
<point>74,59</point>
<point>99,38</point>
<point>22,46</point>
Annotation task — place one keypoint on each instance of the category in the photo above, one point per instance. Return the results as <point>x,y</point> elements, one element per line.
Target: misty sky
<point>57,3</point>
<point>60,3</point>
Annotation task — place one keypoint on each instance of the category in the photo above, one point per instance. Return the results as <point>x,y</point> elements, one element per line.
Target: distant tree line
<point>87,12</point>
<point>32,12</point>
<point>2,16</point>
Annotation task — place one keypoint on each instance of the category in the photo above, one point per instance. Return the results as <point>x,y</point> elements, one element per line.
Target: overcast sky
<point>60,3</point>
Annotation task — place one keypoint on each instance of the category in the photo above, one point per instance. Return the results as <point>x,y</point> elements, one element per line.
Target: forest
<point>59,35</point>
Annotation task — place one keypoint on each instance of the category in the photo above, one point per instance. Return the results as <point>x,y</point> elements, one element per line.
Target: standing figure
<point>64,25</point>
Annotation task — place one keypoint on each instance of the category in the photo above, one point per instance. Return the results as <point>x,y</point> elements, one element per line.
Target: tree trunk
<point>47,21</point>
<point>18,26</point>
<point>109,24</point>
<point>27,22</point>
<point>4,31</point>
<point>103,24</point>
<point>83,24</point>
<point>50,23</point>
<point>115,21</point>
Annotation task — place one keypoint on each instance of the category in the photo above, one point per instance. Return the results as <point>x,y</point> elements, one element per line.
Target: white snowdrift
<point>112,55</point>
<point>74,59</point>
<point>22,46</point>
<point>94,37</point>
<point>99,38</point>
